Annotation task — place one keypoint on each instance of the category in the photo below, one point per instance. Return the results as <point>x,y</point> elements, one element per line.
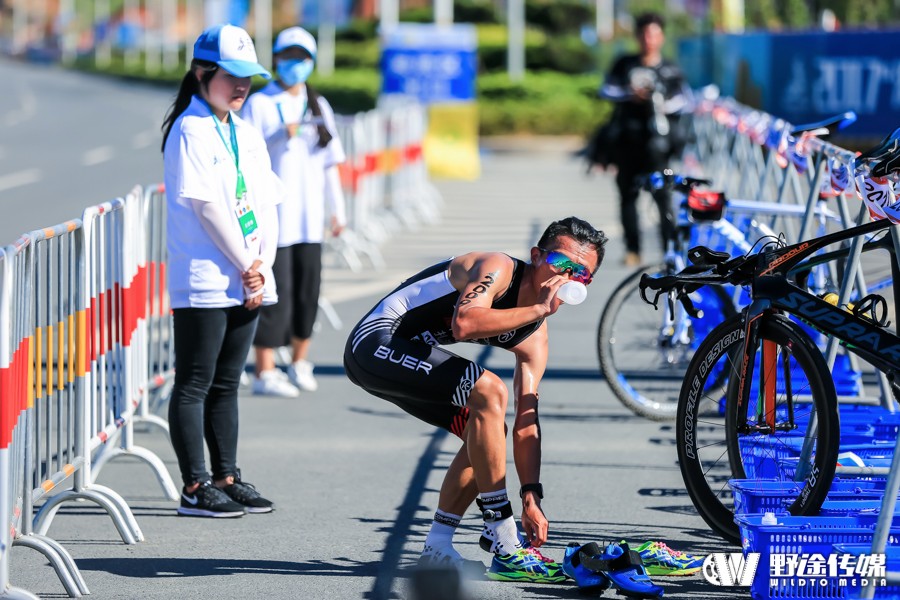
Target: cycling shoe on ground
<point>621,565</point>
<point>588,581</point>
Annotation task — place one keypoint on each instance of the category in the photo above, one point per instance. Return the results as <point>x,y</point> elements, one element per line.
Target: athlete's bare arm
<point>481,277</point>
<point>531,362</point>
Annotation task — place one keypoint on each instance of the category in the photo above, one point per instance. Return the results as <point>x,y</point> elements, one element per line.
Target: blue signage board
<point>334,11</point>
<point>806,77</point>
<point>433,63</point>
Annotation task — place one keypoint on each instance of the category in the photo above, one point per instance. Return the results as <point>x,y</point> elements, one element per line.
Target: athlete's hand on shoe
<point>533,520</point>
<point>547,295</point>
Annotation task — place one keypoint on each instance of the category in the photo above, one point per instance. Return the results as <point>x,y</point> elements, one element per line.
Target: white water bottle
<point>769,518</point>
<point>572,292</point>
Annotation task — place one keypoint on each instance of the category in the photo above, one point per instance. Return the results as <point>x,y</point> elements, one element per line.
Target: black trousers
<point>638,159</point>
<point>211,346</point>
<point>298,275</point>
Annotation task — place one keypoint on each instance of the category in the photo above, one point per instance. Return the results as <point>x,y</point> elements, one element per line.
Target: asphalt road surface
<point>355,479</point>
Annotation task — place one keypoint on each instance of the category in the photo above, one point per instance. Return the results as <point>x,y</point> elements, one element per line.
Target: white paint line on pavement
<point>144,139</point>
<point>26,109</point>
<point>19,178</point>
<point>97,155</point>
<point>345,292</point>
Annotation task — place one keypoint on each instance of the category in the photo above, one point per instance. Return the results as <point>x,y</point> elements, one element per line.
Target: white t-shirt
<point>199,166</point>
<point>298,160</point>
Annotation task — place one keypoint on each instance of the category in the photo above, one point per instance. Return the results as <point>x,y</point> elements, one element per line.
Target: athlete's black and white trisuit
<point>393,351</point>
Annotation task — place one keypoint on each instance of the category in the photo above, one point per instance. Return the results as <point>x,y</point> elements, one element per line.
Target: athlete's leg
<point>459,489</point>
<point>485,437</point>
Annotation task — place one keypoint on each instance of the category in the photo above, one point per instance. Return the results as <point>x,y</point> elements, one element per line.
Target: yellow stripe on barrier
<point>70,320</point>
<point>36,365</point>
<point>61,347</point>
<point>81,335</point>
<point>49,361</point>
<point>29,377</point>
<point>389,160</point>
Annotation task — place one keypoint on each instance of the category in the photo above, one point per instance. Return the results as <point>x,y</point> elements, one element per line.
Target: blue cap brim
<point>244,68</point>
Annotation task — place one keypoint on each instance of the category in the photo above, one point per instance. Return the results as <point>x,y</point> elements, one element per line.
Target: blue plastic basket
<point>804,535</point>
<point>845,508</point>
<point>788,466</point>
<point>759,496</point>
<point>763,455</point>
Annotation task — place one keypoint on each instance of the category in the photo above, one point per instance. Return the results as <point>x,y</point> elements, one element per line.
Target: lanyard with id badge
<point>242,209</point>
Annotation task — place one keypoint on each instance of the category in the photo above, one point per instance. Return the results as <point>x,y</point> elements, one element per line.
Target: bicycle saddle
<point>703,256</point>
<point>885,154</point>
<point>832,124</point>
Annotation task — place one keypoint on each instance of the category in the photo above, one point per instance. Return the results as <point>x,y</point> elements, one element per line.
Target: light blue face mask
<point>292,72</point>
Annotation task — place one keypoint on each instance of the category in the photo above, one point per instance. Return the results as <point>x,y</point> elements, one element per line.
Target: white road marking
<point>345,291</point>
<point>27,106</point>
<point>144,139</point>
<point>19,178</point>
<point>97,155</point>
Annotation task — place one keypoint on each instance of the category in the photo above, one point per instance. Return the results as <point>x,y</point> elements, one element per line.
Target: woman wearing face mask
<point>299,129</point>
<point>222,226</point>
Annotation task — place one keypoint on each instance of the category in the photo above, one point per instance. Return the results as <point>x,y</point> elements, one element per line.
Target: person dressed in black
<point>650,93</point>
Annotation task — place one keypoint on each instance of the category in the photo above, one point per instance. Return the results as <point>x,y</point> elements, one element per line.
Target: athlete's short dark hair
<point>649,18</point>
<point>579,230</point>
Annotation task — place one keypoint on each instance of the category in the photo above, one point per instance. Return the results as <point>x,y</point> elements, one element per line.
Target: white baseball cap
<point>295,36</point>
<point>231,48</point>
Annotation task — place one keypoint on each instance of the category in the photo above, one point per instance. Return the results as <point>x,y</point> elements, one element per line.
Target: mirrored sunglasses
<point>561,263</point>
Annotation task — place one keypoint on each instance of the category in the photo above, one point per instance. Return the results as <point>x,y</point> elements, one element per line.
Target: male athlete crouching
<point>490,298</point>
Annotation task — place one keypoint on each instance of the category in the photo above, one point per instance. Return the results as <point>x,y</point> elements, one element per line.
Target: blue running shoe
<point>522,565</point>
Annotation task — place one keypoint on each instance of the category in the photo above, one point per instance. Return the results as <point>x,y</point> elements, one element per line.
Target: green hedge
<point>545,102</point>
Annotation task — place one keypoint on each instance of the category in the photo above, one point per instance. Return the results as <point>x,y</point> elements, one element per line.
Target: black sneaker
<point>246,494</point>
<point>209,501</point>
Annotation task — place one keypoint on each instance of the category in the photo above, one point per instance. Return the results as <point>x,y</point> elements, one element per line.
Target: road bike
<point>644,356</point>
<point>781,415</point>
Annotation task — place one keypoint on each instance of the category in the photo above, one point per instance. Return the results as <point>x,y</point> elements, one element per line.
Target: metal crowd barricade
<point>48,264</point>
<point>159,322</point>
<point>15,348</point>
<point>100,261</point>
<point>134,299</point>
<point>409,187</point>
<point>385,179</point>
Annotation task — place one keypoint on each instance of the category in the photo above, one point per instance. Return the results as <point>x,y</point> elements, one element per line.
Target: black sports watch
<point>532,487</point>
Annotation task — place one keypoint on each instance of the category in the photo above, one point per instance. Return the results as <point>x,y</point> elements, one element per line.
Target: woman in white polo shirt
<point>298,125</point>
<point>222,230</point>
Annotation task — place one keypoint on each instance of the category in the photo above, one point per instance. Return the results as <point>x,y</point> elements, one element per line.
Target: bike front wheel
<point>787,367</point>
<point>644,353</point>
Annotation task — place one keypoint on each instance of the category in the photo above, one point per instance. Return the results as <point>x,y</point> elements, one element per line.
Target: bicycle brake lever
<point>688,304</point>
<point>655,301</point>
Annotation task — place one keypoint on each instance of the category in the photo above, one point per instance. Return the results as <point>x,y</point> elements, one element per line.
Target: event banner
<point>805,77</point>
